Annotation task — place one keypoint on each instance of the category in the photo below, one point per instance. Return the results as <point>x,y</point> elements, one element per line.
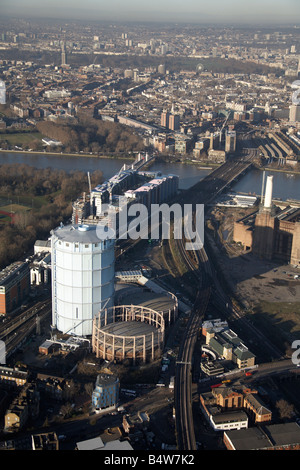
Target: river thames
<point>286,185</point>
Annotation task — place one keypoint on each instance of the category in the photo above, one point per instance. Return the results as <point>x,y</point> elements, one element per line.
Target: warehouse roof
<point>266,437</point>
<point>13,269</point>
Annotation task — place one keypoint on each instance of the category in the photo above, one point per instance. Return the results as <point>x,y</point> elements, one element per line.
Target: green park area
<point>33,202</point>
<point>14,208</point>
<point>20,139</point>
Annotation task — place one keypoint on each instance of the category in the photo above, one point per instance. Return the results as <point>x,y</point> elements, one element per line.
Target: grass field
<point>20,138</point>
<point>21,202</point>
<point>15,208</point>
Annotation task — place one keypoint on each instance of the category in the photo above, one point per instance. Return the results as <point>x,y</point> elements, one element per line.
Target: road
<point>284,366</point>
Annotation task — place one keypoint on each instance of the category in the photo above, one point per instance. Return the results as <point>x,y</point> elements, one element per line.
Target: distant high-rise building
<point>230,141</point>
<point>174,122</point>
<point>152,44</point>
<point>163,49</point>
<point>164,122</point>
<point>2,92</point>
<point>63,55</point>
<point>295,113</point>
<point>161,69</point>
<point>298,70</point>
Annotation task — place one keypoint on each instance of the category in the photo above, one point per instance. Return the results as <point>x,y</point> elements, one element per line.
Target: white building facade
<point>82,276</point>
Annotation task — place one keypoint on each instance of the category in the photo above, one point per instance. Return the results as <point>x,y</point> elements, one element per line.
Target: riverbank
<point>292,172</point>
<point>276,169</point>
<point>159,159</point>
<point>64,154</point>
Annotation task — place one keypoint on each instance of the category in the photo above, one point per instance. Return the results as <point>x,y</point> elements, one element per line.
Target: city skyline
<point>123,143</point>
<point>267,12</point>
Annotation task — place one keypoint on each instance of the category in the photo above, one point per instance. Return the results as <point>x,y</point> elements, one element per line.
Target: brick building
<point>271,232</point>
<point>13,377</point>
<point>226,398</point>
<point>14,286</point>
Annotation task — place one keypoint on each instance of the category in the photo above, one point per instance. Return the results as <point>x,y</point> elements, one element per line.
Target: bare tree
<point>286,410</point>
<point>66,410</point>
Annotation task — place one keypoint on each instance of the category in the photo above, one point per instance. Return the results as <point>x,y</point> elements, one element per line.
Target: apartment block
<point>14,286</point>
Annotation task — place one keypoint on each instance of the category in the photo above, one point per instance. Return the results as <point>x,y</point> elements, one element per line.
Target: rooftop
<point>11,270</point>
<point>275,435</point>
<point>106,379</point>
<point>83,233</point>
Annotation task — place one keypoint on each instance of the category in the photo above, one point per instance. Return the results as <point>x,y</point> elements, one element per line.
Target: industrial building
<point>82,276</point>
<point>165,303</point>
<point>40,269</point>
<point>270,232</point>
<point>273,437</point>
<point>106,392</point>
<point>128,332</point>
<point>96,443</point>
<point>42,246</point>
<point>226,344</point>
<point>14,286</point>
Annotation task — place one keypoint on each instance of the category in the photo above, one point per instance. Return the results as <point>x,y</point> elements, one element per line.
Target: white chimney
<point>268,193</point>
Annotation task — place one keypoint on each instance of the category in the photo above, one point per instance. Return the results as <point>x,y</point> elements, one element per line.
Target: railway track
<point>15,322</point>
<point>17,330</point>
<point>204,192</point>
<point>183,378</point>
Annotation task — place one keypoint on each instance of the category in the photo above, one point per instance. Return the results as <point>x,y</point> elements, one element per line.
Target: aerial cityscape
<point>149,229</point>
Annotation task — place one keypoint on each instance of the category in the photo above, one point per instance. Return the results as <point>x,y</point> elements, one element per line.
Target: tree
<point>66,410</point>
<point>89,388</point>
<point>285,409</point>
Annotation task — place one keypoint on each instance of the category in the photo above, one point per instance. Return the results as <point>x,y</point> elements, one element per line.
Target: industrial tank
<point>82,276</point>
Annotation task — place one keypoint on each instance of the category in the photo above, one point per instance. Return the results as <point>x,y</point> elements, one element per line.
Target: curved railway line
<point>183,383</point>
<point>203,192</point>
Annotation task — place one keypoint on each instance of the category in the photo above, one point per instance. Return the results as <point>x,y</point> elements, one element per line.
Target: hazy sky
<point>208,11</point>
